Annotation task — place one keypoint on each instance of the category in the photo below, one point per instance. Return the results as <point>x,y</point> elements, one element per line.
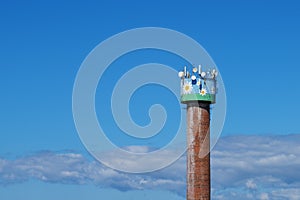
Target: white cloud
<point>256,167</point>
<point>137,149</point>
<point>250,184</point>
<point>70,168</point>
<point>287,193</point>
<point>264,196</point>
<point>243,167</point>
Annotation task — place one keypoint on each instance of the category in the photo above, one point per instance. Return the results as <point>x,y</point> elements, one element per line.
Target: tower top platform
<point>198,85</point>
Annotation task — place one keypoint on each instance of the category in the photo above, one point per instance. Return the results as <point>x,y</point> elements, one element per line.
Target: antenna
<point>199,69</point>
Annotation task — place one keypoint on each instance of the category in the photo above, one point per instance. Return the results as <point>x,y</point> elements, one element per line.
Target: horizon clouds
<point>242,167</point>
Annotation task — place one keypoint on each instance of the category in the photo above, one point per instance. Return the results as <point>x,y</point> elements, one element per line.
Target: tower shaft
<point>198,162</point>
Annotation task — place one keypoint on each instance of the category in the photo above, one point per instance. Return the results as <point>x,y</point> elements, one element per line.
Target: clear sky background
<point>255,45</point>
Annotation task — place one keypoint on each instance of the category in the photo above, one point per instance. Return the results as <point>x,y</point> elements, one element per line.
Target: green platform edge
<point>185,98</point>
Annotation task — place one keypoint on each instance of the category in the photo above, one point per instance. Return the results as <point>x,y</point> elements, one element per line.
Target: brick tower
<point>198,90</point>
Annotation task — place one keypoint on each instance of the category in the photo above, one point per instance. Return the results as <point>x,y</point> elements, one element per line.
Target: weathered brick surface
<point>198,157</point>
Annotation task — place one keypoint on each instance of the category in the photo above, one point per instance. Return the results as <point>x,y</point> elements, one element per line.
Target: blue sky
<point>255,45</point>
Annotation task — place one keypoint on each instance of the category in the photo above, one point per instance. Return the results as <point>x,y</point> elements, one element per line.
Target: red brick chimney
<point>198,164</point>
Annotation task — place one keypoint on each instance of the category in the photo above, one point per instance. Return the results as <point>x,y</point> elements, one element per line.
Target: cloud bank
<point>257,167</point>
<point>74,168</point>
<point>243,167</point>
